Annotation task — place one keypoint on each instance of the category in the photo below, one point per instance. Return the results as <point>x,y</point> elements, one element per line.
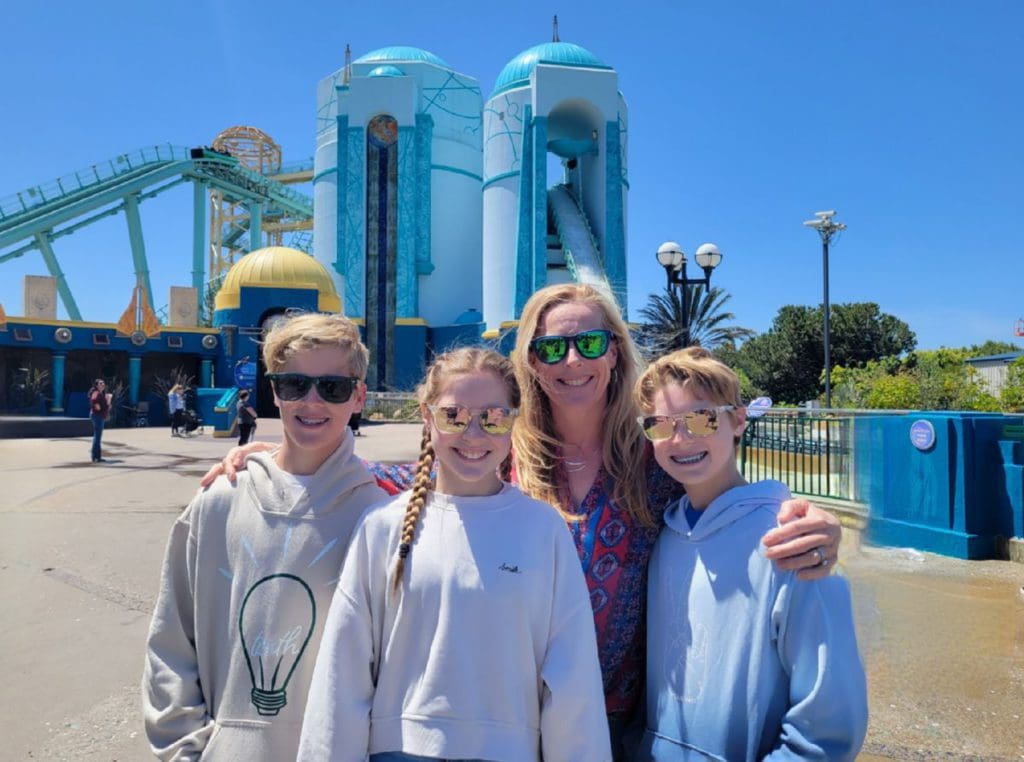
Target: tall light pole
<point>827,229</point>
<point>673,259</point>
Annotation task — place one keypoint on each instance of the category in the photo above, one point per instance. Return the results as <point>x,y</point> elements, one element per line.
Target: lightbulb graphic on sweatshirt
<point>273,641</point>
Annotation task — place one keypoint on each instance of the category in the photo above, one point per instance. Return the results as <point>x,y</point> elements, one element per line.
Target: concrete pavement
<point>80,553</point>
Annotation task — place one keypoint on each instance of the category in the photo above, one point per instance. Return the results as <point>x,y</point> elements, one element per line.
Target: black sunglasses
<point>295,386</point>
<point>590,344</point>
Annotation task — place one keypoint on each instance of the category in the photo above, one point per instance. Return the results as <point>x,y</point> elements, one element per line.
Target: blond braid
<point>421,485</point>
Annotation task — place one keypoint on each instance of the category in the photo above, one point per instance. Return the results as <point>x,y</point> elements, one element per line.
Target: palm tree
<point>663,331</point>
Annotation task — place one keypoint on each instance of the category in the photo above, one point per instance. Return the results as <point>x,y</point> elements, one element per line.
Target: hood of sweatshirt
<point>728,508</point>
<point>340,474</point>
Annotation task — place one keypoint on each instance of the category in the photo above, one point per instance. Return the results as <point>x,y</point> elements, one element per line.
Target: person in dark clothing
<point>246,418</point>
<point>353,422</point>
<point>99,410</point>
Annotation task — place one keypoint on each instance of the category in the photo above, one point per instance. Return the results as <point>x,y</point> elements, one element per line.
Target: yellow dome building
<point>278,267</point>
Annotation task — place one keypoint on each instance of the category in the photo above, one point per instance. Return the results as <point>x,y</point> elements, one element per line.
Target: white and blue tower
<point>556,100</point>
<point>397,204</point>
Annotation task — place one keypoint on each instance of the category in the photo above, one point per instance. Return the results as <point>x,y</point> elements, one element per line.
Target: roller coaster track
<point>35,217</point>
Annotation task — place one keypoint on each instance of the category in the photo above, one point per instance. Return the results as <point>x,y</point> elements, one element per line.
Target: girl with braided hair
<point>461,628</point>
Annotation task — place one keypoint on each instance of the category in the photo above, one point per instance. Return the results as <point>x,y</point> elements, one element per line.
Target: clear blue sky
<point>745,118</point>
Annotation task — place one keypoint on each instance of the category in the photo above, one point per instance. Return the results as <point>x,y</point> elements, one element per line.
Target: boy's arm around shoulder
<point>177,720</point>
<point>828,707</point>
<point>573,724</point>
<point>336,724</point>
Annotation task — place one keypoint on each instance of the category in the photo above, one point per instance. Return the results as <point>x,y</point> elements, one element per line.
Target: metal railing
<point>391,406</point>
<point>811,451</point>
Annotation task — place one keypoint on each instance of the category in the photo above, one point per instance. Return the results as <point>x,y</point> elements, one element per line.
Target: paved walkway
<point>80,553</point>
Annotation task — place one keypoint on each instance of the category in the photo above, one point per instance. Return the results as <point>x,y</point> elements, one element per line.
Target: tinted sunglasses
<point>295,386</point>
<point>589,344</point>
<point>454,419</point>
<point>699,423</point>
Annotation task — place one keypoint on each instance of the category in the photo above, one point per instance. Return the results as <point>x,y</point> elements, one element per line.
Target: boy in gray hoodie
<point>251,567</point>
<point>743,661</point>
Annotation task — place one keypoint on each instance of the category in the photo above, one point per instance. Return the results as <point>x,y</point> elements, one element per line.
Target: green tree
<point>938,379</point>
<point>709,325</point>
<point>1012,395</point>
<point>899,392</point>
<point>991,347</point>
<point>788,361</point>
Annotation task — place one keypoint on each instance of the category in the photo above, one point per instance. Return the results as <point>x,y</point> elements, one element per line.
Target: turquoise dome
<point>386,71</point>
<point>517,71</point>
<point>401,53</point>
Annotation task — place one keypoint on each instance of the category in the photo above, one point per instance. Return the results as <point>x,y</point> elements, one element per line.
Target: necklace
<point>575,466</point>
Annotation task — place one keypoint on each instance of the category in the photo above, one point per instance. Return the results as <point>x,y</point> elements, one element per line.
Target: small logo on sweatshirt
<point>505,567</point>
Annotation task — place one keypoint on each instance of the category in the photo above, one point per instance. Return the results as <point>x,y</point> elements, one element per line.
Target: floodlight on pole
<point>827,228</point>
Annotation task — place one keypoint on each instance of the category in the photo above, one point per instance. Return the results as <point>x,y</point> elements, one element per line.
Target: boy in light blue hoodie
<point>744,662</point>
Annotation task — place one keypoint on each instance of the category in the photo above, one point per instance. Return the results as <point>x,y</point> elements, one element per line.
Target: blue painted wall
<point>958,498</point>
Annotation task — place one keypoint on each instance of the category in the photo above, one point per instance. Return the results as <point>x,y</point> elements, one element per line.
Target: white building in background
<point>436,214</point>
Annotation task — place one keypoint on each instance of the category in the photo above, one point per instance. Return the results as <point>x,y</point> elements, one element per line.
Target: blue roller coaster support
<point>43,242</point>
<point>131,212</point>
<point>199,241</point>
<point>255,225</point>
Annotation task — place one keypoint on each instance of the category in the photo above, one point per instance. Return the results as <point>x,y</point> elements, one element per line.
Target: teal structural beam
<point>134,378</point>
<point>255,225</point>
<point>131,213</point>
<point>524,219</point>
<point>406,276</point>
<point>57,376</point>
<point>539,247</point>
<point>615,216</point>
<point>199,241</point>
<point>62,284</point>
<point>206,373</point>
<point>424,167</point>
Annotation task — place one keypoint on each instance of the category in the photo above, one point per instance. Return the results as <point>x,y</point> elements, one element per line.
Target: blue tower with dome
<point>437,214</point>
<point>554,101</point>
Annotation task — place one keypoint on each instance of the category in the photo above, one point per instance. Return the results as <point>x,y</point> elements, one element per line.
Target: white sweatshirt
<point>487,651</point>
<point>247,580</point>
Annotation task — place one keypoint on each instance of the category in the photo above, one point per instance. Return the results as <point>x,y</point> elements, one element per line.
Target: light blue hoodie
<point>746,662</point>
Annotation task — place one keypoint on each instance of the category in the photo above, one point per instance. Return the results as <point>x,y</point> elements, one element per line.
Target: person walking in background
<point>353,422</point>
<point>176,407</point>
<point>246,417</point>
<point>99,410</point>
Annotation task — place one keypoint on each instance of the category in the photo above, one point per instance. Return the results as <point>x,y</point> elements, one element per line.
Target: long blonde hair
<point>458,362</point>
<point>534,440</point>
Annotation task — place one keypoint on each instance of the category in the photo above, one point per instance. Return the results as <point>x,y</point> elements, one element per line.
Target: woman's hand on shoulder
<point>806,540</point>
<point>234,462</point>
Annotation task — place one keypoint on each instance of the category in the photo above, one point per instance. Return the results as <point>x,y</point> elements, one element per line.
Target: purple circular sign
<point>922,435</point>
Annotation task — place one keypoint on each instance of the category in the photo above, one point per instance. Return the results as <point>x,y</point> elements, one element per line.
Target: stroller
<point>192,424</point>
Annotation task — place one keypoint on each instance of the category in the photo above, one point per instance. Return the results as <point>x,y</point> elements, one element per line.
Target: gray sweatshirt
<point>488,651</point>
<point>247,580</point>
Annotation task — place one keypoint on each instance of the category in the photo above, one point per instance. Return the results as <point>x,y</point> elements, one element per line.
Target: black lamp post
<point>673,259</point>
<point>827,229</point>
